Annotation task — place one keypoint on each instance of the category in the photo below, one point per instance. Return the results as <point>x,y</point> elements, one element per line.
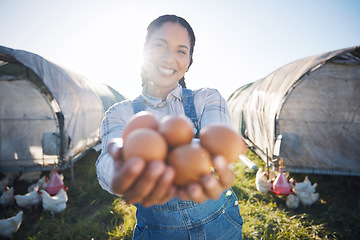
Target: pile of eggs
<point>170,140</point>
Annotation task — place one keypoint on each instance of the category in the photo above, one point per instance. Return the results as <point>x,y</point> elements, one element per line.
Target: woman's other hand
<point>139,181</point>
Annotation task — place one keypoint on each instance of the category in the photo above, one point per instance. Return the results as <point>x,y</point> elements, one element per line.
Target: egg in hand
<point>220,139</point>
<point>145,143</point>
<point>191,162</point>
<point>143,119</point>
<point>177,130</point>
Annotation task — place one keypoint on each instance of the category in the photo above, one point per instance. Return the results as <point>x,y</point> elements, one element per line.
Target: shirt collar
<point>155,101</point>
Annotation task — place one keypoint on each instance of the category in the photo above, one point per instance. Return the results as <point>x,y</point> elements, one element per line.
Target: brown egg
<point>145,143</point>
<point>143,119</point>
<point>177,130</point>
<point>220,139</point>
<point>191,162</point>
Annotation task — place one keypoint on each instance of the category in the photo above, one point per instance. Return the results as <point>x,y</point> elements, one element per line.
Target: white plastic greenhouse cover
<point>45,108</point>
<point>312,107</point>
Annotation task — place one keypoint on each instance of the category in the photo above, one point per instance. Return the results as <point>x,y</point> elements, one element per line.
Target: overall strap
<point>189,108</point>
<point>138,104</point>
<point>188,104</point>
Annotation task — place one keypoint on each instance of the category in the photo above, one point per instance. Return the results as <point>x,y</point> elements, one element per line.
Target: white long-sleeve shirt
<point>209,104</point>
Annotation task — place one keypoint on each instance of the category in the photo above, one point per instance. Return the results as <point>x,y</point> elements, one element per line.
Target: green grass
<point>92,213</point>
<point>335,215</point>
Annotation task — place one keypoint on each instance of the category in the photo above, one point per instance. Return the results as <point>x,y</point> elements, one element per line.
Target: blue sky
<point>238,41</point>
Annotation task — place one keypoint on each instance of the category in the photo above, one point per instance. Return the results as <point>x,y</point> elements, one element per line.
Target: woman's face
<point>167,55</point>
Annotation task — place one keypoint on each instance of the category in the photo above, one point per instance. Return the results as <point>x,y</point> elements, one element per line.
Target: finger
<point>196,192</point>
<point>127,175</point>
<point>169,195</point>
<point>225,174</point>
<point>163,189</point>
<point>182,194</point>
<point>114,148</point>
<point>146,183</point>
<point>212,186</point>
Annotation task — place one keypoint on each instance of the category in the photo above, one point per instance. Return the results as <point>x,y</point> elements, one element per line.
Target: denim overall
<point>178,219</point>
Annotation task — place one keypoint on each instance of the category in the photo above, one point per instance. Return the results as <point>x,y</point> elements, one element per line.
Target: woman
<point>204,210</point>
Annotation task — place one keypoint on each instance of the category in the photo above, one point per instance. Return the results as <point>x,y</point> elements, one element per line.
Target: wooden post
<point>267,164</point>
<point>72,173</point>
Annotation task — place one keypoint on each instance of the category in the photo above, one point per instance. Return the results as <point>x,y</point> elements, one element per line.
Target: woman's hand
<point>139,181</point>
<point>212,185</point>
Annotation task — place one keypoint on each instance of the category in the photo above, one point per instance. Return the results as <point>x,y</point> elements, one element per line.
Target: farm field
<point>92,213</point>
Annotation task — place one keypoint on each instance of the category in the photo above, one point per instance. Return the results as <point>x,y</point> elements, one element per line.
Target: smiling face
<point>166,58</point>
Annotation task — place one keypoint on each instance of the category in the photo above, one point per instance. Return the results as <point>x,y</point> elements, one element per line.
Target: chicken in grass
<point>292,201</point>
<point>7,197</point>
<point>41,184</point>
<point>29,200</point>
<point>262,183</point>
<point>8,180</point>
<point>307,198</point>
<point>305,191</point>
<point>10,225</point>
<point>54,204</point>
<point>305,186</point>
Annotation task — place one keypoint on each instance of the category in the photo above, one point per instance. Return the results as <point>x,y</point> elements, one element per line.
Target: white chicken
<point>305,191</point>
<point>292,183</point>
<point>305,186</point>
<point>262,183</point>
<point>40,184</point>
<point>54,204</point>
<point>307,198</point>
<point>10,225</point>
<point>7,197</point>
<point>8,180</point>
<point>292,201</point>
<point>28,200</point>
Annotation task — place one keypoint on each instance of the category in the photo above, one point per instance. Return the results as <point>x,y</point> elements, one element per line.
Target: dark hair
<point>157,23</point>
